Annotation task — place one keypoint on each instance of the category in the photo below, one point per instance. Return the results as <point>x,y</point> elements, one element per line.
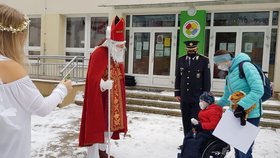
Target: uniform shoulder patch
<point>203,56</point>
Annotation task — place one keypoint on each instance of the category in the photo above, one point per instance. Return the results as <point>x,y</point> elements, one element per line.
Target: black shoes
<point>103,154</point>
<point>180,147</point>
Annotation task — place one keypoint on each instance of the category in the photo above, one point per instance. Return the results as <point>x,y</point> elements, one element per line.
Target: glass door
<point>141,53</point>
<point>161,58</point>
<point>251,42</point>
<point>223,41</point>
<point>152,58</point>
<point>253,45</point>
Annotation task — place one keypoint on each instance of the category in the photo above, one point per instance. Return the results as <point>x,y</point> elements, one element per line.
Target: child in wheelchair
<point>208,118</point>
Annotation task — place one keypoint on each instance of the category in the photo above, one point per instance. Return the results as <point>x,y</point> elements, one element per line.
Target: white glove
<point>194,121</point>
<point>104,85</point>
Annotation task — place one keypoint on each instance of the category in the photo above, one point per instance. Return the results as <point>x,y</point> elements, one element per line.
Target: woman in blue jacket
<point>252,85</point>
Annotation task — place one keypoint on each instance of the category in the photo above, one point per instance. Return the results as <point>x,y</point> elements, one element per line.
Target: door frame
<point>150,79</point>
<point>218,84</point>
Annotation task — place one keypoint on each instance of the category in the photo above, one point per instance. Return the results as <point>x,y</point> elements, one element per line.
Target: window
<point>75,32</point>
<point>97,30</point>
<point>207,41</point>
<point>275,18</point>
<point>272,54</point>
<point>167,20</point>
<point>241,19</point>
<point>127,21</point>
<point>127,51</point>
<point>34,37</point>
<point>208,19</point>
<point>74,54</point>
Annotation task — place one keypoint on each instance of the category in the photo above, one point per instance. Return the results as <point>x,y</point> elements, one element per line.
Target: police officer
<point>192,79</point>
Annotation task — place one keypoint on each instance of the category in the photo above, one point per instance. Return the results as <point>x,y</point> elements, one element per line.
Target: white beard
<point>117,54</point>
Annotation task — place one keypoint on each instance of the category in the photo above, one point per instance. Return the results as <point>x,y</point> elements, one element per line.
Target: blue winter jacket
<point>252,85</point>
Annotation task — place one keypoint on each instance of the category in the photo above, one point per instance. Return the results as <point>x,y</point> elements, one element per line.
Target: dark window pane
<point>141,54</point>
<point>162,53</point>
<point>74,54</point>
<point>127,51</point>
<point>207,37</point>
<point>241,19</point>
<point>224,41</point>
<point>179,20</point>
<point>35,32</point>
<point>153,20</point>
<point>127,20</point>
<point>33,53</point>
<point>272,54</point>
<point>98,30</point>
<point>275,18</point>
<point>178,41</point>
<point>208,19</point>
<point>252,44</point>
<point>75,32</point>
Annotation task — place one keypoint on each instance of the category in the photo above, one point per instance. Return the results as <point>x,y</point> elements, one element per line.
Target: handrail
<point>67,65</point>
<point>56,67</point>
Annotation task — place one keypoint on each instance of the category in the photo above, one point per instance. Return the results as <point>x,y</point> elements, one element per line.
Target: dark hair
<point>222,52</point>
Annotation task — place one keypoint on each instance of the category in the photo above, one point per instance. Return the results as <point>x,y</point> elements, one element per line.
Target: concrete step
<point>164,103</point>
<point>153,103</point>
<point>152,99</point>
<point>265,122</point>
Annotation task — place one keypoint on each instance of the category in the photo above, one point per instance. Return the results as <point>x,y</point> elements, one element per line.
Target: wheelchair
<point>212,147</point>
<point>215,148</point>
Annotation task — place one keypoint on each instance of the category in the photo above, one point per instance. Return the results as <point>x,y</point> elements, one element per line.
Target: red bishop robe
<point>94,120</point>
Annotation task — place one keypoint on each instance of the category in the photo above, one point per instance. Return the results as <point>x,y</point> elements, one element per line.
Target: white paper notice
<point>230,131</point>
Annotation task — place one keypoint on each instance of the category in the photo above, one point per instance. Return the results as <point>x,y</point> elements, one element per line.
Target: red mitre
<point>117,29</point>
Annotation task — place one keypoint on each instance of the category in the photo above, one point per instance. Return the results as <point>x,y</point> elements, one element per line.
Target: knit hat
<point>208,97</point>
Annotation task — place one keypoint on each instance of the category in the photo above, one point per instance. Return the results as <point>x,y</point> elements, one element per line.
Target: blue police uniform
<point>192,79</point>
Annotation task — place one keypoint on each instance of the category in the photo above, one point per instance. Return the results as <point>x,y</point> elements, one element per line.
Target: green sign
<point>192,28</point>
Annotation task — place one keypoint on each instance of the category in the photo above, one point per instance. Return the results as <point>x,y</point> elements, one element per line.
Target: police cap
<point>191,44</point>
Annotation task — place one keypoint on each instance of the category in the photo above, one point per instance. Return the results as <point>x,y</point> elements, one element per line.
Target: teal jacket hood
<point>238,59</point>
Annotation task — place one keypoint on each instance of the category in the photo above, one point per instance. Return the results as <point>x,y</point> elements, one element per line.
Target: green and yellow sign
<point>192,28</point>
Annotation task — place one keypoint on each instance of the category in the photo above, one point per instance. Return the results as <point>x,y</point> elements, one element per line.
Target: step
<point>268,105</point>
<point>154,110</point>
<point>265,122</point>
<point>151,95</point>
<point>140,95</point>
<point>153,103</point>
<point>270,123</point>
<point>164,103</point>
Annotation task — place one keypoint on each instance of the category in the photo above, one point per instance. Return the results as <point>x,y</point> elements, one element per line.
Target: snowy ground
<point>149,136</point>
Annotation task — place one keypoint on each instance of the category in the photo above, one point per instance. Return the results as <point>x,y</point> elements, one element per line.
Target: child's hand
<point>194,121</point>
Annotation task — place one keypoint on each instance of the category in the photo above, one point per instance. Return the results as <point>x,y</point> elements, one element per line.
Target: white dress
<point>18,101</point>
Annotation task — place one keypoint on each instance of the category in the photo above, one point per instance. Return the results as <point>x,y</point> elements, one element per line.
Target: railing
<point>57,67</point>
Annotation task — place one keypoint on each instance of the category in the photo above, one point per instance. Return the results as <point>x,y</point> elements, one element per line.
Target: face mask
<point>203,105</point>
<point>191,54</point>
<point>223,67</point>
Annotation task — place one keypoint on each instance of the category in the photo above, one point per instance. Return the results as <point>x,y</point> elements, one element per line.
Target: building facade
<point>69,27</point>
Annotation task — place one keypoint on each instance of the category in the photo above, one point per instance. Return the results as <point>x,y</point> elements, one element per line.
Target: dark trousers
<point>239,154</point>
<point>192,146</point>
<point>189,110</point>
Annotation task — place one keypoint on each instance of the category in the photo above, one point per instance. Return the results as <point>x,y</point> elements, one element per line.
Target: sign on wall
<point>192,28</point>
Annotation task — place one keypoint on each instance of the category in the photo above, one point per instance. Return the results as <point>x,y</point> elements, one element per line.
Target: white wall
<point>56,6</point>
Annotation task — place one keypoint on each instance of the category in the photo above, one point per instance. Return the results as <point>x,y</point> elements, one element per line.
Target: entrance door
<point>152,58</point>
<point>250,42</point>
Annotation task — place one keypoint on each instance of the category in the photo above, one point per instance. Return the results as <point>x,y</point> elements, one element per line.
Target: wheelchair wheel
<point>216,149</point>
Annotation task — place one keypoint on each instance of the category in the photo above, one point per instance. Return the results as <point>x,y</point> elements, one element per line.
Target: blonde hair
<point>13,34</point>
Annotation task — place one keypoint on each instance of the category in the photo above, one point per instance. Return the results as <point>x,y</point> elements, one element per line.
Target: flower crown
<point>20,28</point>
